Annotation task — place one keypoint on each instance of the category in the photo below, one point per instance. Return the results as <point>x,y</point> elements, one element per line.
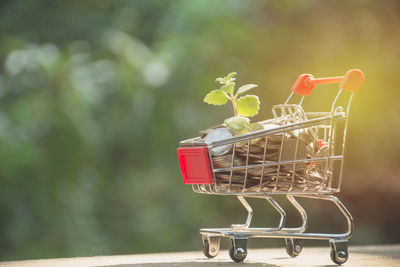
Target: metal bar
<point>301,100</point>
<point>261,133</point>
<point>212,168</point>
<point>230,175</point>
<point>276,163</point>
<point>342,208</point>
<point>287,232</point>
<point>344,139</point>
<point>291,113</point>
<point>262,168</point>
<point>194,187</point>
<point>280,210</point>
<point>302,212</point>
<point>267,233</point>
<point>269,191</point>
<point>249,210</point>
<point>295,159</point>
<point>280,129</point>
<point>318,114</point>
<point>247,164</point>
<point>331,150</point>
<point>290,96</point>
<point>315,142</point>
<point>331,131</point>
<point>279,163</point>
<point>315,81</point>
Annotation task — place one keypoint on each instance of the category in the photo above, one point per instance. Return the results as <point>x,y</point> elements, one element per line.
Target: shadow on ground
<point>193,263</point>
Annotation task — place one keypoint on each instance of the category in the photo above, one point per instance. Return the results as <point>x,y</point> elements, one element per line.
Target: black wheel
<point>237,255</point>
<point>293,247</point>
<point>206,250</point>
<point>339,257</point>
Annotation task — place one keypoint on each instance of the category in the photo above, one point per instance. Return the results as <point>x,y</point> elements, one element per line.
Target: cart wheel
<point>206,250</point>
<point>238,254</point>
<point>211,245</point>
<point>339,257</point>
<point>293,247</point>
<point>339,254</point>
<point>238,251</point>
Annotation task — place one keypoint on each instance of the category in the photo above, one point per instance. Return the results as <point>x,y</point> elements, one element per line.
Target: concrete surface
<point>388,255</point>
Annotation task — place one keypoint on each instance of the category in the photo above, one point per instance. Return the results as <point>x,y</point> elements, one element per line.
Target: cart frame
<point>316,122</point>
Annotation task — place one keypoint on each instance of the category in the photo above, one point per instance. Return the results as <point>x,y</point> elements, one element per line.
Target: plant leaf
<point>228,88</point>
<point>220,80</point>
<point>237,124</point>
<point>243,89</point>
<point>248,105</point>
<point>230,75</point>
<point>255,126</point>
<point>216,97</point>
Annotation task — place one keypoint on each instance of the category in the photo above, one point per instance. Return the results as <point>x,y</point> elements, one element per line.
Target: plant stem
<point>233,100</point>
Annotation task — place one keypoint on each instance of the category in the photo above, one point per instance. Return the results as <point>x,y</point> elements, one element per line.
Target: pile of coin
<point>241,162</point>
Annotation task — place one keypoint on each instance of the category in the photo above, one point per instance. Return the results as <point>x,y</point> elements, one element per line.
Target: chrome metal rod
<point>290,96</point>
<point>289,232</point>
<point>280,210</point>
<point>249,210</point>
<point>302,212</point>
<point>286,162</point>
<point>301,100</point>
<point>342,208</point>
<point>277,130</point>
<point>344,137</point>
<point>260,233</point>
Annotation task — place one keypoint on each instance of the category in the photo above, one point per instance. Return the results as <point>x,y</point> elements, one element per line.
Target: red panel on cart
<point>195,165</point>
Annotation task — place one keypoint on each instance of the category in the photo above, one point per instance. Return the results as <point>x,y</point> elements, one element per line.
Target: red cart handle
<point>351,81</point>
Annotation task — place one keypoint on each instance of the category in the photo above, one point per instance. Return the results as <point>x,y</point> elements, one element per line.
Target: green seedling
<point>243,107</point>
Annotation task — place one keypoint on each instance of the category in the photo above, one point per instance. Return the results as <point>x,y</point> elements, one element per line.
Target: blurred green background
<point>96,95</point>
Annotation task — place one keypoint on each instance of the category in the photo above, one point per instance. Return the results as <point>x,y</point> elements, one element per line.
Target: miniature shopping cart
<point>298,153</point>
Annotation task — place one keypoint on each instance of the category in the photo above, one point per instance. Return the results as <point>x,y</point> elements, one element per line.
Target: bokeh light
<point>96,95</point>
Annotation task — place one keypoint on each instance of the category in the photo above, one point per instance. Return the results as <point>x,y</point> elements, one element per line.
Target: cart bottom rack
<point>239,233</point>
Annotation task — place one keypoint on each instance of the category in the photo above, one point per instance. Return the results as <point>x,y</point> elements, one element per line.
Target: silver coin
<point>215,135</point>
